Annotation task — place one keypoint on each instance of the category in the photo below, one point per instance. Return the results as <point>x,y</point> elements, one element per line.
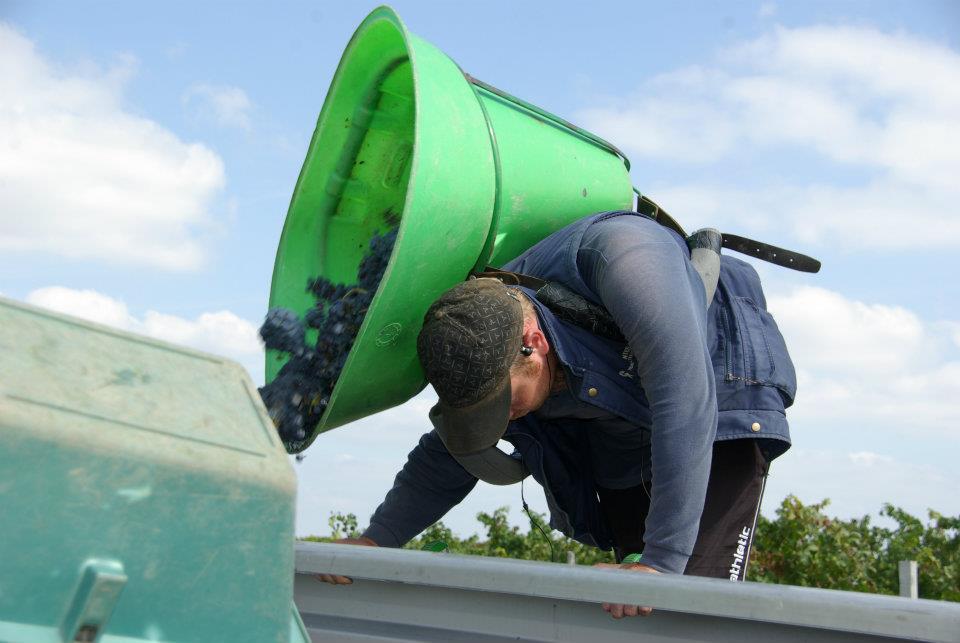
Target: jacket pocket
<point>761,356</point>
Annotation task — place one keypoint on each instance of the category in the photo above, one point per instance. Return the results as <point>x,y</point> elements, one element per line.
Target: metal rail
<point>402,595</point>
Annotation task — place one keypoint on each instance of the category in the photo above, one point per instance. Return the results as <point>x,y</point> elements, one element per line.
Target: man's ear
<point>535,339</point>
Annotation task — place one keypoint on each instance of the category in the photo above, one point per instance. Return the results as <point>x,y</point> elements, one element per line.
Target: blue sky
<point>148,152</point>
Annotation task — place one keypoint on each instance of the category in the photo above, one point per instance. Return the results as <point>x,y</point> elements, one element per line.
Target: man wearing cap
<point>654,440</point>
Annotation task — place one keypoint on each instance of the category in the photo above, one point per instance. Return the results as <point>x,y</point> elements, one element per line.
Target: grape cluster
<point>283,331</point>
<point>299,394</point>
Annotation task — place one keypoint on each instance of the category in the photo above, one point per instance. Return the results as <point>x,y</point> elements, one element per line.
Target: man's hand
<point>343,580</point>
<point>617,610</point>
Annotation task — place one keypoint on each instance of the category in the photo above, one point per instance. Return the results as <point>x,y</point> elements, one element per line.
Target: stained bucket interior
<point>343,199</point>
<point>372,192</point>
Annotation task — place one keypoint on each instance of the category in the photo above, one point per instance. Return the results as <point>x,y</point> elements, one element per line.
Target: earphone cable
<point>536,523</point>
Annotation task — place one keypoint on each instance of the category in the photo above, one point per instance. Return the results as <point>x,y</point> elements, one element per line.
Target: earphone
<point>526,350</point>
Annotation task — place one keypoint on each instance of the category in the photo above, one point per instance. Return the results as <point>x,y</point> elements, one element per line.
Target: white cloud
<point>953,328</point>
<point>767,9</point>
<point>222,104</point>
<point>869,365</point>
<point>879,63</point>
<point>665,130</point>
<point>836,335</point>
<point>82,177</point>
<point>221,332</point>
<point>886,107</point>
<point>869,459</point>
<point>86,304</point>
<point>856,95</point>
<point>860,483</point>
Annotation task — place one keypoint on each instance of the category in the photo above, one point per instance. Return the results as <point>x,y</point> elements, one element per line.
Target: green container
<point>145,494</point>
<point>471,175</point>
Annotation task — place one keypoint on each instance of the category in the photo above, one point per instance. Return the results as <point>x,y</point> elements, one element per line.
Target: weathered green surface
<point>470,177</point>
<point>141,484</point>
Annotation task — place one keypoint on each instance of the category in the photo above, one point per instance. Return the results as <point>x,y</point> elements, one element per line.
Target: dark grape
<point>299,394</point>
<point>283,331</point>
<point>314,317</point>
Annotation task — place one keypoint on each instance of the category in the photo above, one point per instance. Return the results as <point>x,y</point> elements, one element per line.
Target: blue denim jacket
<point>737,359</point>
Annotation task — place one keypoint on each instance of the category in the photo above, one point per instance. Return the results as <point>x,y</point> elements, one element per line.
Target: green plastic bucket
<point>471,175</point>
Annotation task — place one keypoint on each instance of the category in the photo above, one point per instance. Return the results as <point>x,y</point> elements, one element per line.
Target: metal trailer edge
<point>401,595</point>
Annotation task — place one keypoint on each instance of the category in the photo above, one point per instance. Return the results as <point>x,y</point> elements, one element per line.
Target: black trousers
<point>734,492</point>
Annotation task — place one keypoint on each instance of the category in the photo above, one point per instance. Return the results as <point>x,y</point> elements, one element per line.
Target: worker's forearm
<point>428,486</point>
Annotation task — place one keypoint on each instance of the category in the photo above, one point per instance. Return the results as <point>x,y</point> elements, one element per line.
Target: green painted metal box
<point>144,494</point>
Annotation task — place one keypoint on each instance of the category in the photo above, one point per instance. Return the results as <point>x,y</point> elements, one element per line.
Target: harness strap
<point>650,208</point>
<point>757,249</point>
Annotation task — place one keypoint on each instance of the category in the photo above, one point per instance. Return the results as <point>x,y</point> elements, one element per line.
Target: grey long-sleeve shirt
<point>640,274</point>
